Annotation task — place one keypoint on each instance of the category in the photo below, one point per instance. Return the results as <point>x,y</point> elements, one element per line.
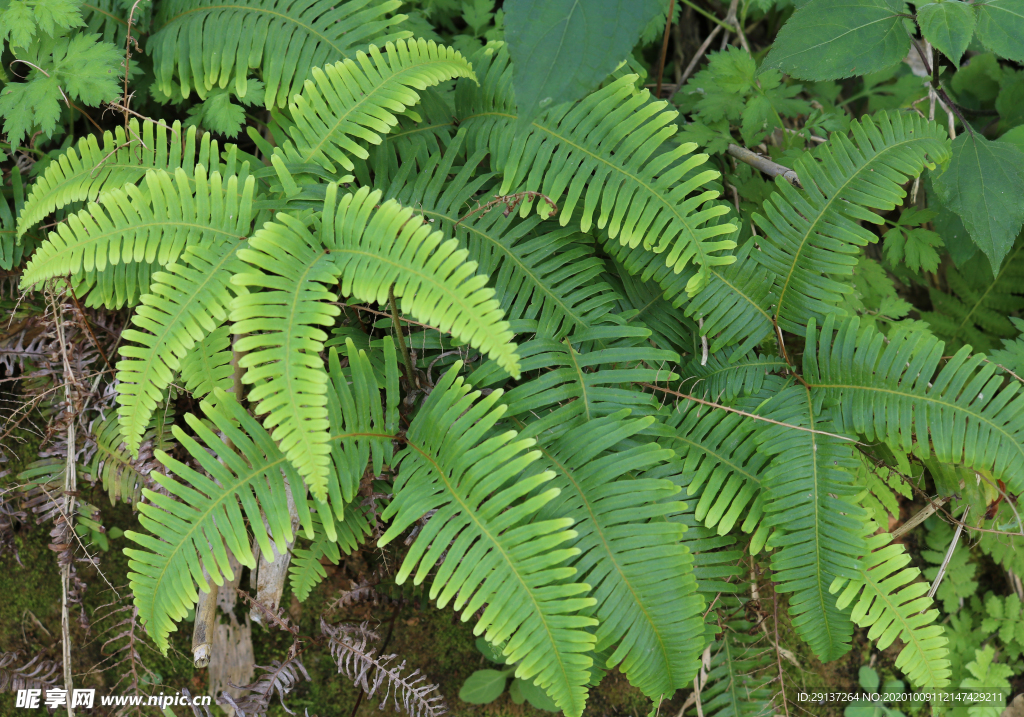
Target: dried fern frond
<point>121,642</point>
<point>280,678</point>
<point>36,674</point>
<point>371,671</point>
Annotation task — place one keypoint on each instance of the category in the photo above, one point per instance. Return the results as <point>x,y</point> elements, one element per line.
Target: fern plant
<point>539,350</point>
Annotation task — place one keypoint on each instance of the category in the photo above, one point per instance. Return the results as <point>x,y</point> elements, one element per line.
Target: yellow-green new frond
<point>893,389</point>
<point>89,170</point>
<point>187,301</point>
<point>494,558</point>
<point>887,599</point>
<point>132,226</point>
<point>601,155</point>
<point>648,609</point>
<point>359,99</point>
<point>288,269</point>
<point>376,248</point>
<point>213,43</point>
<point>204,516</point>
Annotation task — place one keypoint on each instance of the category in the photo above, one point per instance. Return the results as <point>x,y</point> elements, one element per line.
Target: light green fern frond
<point>206,514</point>
<point>88,171</point>
<point>601,153</point>
<point>818,528</point>
<point>121,475</point>
<point>186,302</point>
<point>376,249</point>
<point>212,43</point>
<point>131,226</point>
<point>887,599</point>
<point>812,236</point>
<point>358,99</point>
<point>208,365</point>
<point>494,558</point>
<point>648,610</point>
<point>893,389</point>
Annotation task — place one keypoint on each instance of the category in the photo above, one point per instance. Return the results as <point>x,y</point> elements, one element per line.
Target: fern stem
<point>410,374</point>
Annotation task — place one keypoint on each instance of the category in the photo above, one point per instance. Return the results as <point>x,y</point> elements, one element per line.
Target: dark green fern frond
<point>120,475</point>
<point>887,598</point>
<point>208,365</point>
<point>306,572</point>
<point>88,171</point>
<point>357,99</point>
<point>187,301</point>
<point>893,389</point>
<point>576,382</point>
<point>818,529</point>
<point>737,683</point>
<point>198,45</point>
<point>495,559</point>
<point>812,236</point>
<point>722,467</point>
<point>602,154</point>
<point>642,577</point>
<point>729,374</point>
<point>417,136</point>
<point>132,226</point>
<point>977,307</point>
<point>206,515</point>
<point>540,271</point>
<point>377,248</point>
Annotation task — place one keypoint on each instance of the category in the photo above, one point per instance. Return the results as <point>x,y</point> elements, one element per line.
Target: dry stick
<point>664,48</point>
<point>778,658</point>
<point>949,553</point>
<point>710,404</point>
<point>697,56</point>
<point>772,169</point>
<point>731,19</point>
<point>919,517</point>
<point>70,486</point>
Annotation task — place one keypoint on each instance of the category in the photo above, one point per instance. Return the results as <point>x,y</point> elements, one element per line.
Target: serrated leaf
<point>831,39</point>
<point>1001,27</point>
<point>983,183</point>
<point>949,26</point>
<point>561,49</point>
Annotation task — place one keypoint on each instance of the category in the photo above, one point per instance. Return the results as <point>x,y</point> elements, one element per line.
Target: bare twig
<point>696,58</point>
<point>510,201</point>
<point>664,48</point>
<point>919,517</point>
<point>772,169</point>
<point>949,553</point>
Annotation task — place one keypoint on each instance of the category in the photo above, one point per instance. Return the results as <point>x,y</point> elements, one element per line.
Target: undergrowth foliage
<point>573,359</point>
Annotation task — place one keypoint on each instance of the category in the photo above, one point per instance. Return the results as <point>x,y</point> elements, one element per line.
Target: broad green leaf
<point>483,687</point>
<point>537,697</point>
<point>868,679</point>
<point>1001,27</point>
<point>948,26</point>
<point>1010,102</point>
<point>561,49</point>
<point>831,39</point>
<point>984,184</point>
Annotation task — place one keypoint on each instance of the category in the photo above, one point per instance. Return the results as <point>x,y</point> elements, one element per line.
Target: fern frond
<point>887,599</point>
<point>37,673</point>
<point>208,365</point>
<point>731,373</point>
<point>356,99</point>
<point>187,301</point>
<point>721,467</point>
<point>495,559</point>
<point>977,307</point>
<point>818,528</point>
<point>575,382</point>
<point>130,226</point>
<point>88,171</point>
<point>812,237</point>
<point>647,606</point>
<point>306,572</point>
<point>191,536</point>
<point>893,389</point>
<point>417,136</point>
<point>122,476</point>
<point>601,153</point>
<point>540,271</point>
<point>278,677</point>
<point>211,43</point>
<point>377,248</point>
<point>733,687</point>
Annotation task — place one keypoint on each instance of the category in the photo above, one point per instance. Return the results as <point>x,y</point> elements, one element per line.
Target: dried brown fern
<point>280,678</point>
<point>370,672</point>
<point>36,674</point>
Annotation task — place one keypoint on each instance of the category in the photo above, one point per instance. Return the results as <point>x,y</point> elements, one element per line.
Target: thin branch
<point>949,553</point>
<point>664,48</point>
<point>772,169</point>
<point>697,56</point>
